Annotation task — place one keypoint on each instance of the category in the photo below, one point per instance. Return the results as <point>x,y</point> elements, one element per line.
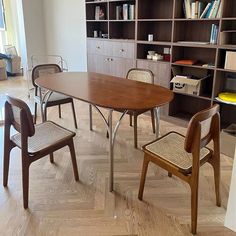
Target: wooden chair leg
<point>6,162</point>
<point>73,159</point>
<point>74,114</point>
<point>35,112</point>
<point>130,120</point>
<point>194,207</point>
<point>153,121</point>
<point>51,158</point>
<point>59,111</point>
<point>25,183</point>
<point>169,174</point>
<point>143,178</point>
<point>135,131</point>
<point>216,168</point>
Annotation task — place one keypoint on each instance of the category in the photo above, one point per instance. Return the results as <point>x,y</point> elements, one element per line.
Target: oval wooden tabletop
<point>107,91</point>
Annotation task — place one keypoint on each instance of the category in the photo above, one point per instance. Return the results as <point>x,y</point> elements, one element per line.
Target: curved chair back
<point>44,69</point>
<point>141,75</point>
<point>18,114</point>
<point>206,125</point>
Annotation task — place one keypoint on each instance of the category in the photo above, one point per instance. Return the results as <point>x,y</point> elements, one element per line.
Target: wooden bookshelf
<point>127,46</point>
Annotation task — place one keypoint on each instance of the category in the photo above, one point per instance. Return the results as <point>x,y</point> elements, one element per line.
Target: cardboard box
<point>230,59</point>
<point>3,73</point>
<point>14,65</point>
<point>183,84</point>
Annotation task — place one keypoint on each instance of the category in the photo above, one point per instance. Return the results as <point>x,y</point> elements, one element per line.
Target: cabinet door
<point>161,71</point>
<point>123,49</point>
<point>119,66</point>
<point>95,46</point>
<point>98,64</point>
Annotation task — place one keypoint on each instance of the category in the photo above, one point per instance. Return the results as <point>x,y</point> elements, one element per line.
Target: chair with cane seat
<point>183,156</point>
<point>35,141</point>
<point>56,99</point>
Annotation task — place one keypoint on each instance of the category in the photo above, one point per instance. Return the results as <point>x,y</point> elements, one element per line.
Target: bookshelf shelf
<point>172,31</point>
<point>205,97</point>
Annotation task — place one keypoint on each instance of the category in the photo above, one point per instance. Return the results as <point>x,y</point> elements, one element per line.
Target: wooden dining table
<point>109,92</point>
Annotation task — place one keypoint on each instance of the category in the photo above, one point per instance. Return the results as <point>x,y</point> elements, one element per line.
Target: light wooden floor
<point>60,206</point>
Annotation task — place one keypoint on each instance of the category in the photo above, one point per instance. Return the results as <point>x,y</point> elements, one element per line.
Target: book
<point>118,13</point>
<point>205,10</point>
<point>125,11</point>
<point>193,42</point>
<point>193,10</point>
<point>188,8</point>
<point>209,10</point>
<point>97,11</point>
<point>214,34</point>
<point>200,7</point>
<point>186,62</point>
<point>218,15</point>
<point>131,12</point>
<point>214,9</point>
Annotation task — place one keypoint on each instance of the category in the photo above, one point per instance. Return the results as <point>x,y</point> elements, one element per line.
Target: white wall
<point>65,28</point>
<point>34,27</point>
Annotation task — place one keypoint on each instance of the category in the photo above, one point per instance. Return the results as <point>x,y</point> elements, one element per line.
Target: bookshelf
<point>127,46</point>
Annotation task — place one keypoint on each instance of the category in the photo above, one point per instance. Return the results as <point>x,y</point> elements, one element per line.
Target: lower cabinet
<point>110,65</point>
<point>162,74</point>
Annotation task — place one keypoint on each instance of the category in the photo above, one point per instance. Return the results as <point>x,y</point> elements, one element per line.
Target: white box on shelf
<point>184,84</point>
<point>230,59</point>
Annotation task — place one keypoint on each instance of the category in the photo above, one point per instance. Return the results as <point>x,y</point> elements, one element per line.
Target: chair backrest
<point>205,124</point>
<point>141,75</point>
<point>18,114</point>
<point>44,69</point>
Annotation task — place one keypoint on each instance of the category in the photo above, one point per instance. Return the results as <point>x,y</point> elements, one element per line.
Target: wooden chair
<point>145,76</point>
<point>183,156</point>
<point>56,99</point>
<point>35,142</point>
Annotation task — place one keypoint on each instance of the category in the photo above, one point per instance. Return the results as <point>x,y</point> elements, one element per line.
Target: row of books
<point>194,9</point>
<point>125,12</point>
<point>214,34</point>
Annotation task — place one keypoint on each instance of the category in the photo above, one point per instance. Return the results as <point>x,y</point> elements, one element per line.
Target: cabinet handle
<point>111,59</point>
<point>98,47</point>
<point>107,59</point>
<point>122,50</point>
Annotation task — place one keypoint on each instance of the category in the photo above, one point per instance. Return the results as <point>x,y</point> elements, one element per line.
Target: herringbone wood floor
<point>60,206</point>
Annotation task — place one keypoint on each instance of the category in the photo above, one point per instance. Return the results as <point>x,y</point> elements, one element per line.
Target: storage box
<point>230,60</point>
<point>3,73</point>
<point>14,65</point>
<point>228,141</point>
<point>183,84</point>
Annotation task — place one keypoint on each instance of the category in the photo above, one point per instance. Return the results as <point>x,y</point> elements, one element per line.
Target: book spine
<point>213,11</point>
<point>125,11</point>
<point>216,34</point>
<point>97,12</point>
<point>200,4</point>
<point>205,11</point>
<point>212,32</point>
<point>131,12</point>
<point>218,14</point>
<point>188,8</point>
<point>193,8</point>
<point>209,10</point>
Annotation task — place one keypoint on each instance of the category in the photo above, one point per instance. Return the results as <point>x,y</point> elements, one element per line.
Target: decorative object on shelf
<point>99,13</point>
<point>228,97</point>
<point>188,84</point>
<point>209,65</point>
<point>157,57</point>
<point>214,34</point>
<point>131,12</point>
<point>186,62</point>
<point>105,36</point>
<point>150,55</point>
<point>230,60</point>
<point>95,33</point>
<point>150,37</point>
<point>167,53</point>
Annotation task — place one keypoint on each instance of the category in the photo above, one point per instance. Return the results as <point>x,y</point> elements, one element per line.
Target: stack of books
<point>214,34</point>
<point>194,9</point>
<point>125,12</point>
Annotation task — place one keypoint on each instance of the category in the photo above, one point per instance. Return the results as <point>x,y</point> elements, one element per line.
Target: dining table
<point>109,92</point>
